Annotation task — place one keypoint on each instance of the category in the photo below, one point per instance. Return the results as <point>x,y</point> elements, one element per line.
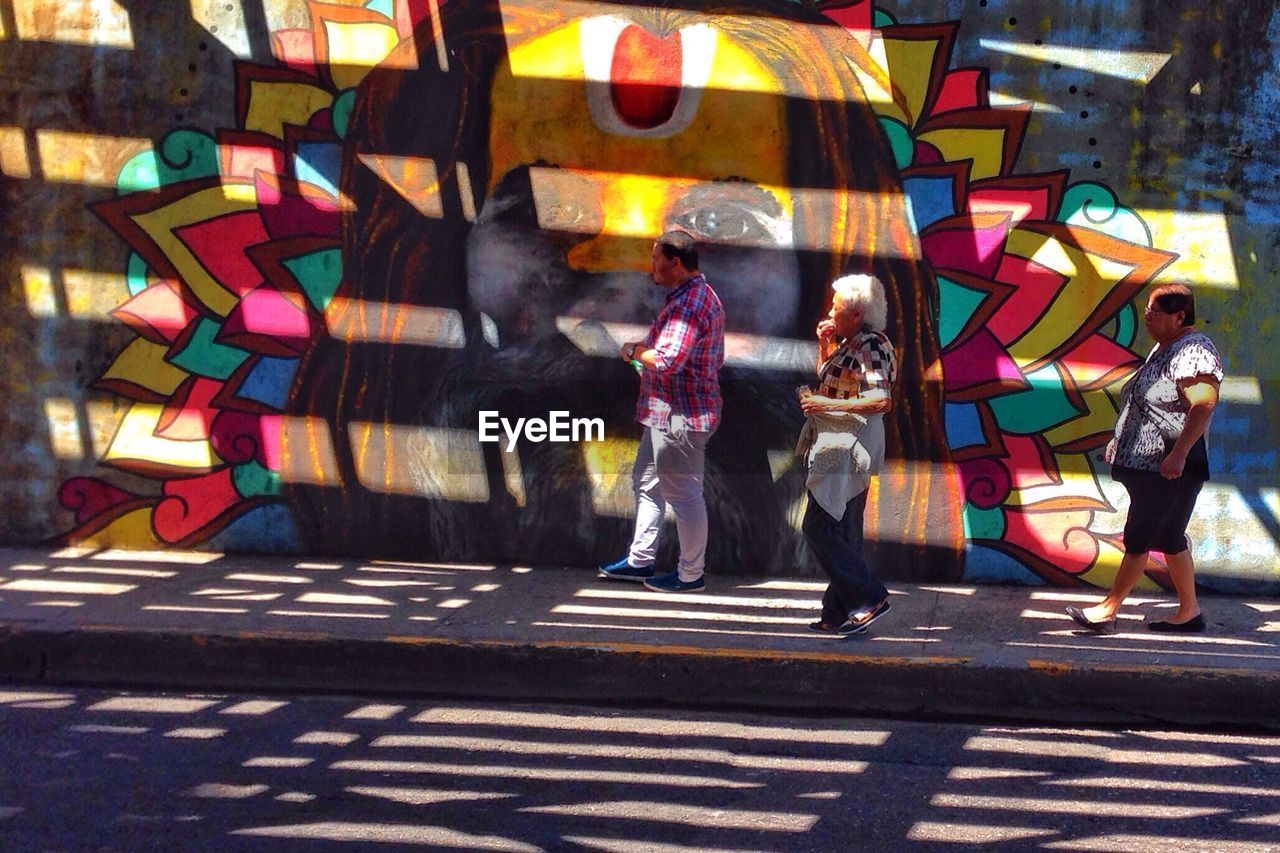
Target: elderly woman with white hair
<point>843,442</point>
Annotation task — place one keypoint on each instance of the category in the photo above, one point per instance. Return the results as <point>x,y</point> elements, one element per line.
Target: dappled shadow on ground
<point>121,771</point>
<point>212,593</point>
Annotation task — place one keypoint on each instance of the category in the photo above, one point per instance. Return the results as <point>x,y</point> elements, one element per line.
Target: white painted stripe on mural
<point>1138,66</point>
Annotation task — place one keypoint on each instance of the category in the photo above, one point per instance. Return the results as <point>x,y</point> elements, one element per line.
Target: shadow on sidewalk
<point>222,772</point>
<point>377,599</point>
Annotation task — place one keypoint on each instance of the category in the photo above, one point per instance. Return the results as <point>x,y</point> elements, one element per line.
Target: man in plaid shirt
<point>679,406</point>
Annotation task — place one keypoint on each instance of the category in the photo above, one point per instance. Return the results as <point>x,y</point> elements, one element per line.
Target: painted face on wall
<point>607,131</point>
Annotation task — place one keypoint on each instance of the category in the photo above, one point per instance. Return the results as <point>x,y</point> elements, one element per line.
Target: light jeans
<point>668,470</point>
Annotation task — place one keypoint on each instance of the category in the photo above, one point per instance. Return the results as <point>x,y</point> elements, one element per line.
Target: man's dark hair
<point>1173,298</point>
<point>680,244</point>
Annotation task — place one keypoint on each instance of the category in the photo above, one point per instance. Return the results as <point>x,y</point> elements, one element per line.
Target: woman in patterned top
<point>1159,454</point>
<point>856,370</point>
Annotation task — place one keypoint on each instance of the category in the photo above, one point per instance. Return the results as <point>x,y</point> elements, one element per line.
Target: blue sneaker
<point>624,571</point>
<point>671,583</point>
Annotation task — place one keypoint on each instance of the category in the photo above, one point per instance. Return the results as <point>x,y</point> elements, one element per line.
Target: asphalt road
<point>107,770</point>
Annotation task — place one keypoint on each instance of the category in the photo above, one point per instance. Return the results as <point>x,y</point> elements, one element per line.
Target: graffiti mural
<point>423,211</point>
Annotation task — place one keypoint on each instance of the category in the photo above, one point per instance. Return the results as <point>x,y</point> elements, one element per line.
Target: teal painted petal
<point>135,274</point>
<point>1095,206</point>
<point>983,523</point>
<point>186,155</point>
<point>253,480</point>
<point>341,112</point>
<point>319,273</point>
<point>140,173</point>
<point>883,19</point>
<point>956,304</point>
<point>1126,326</point>
<point>386,7</point>
<point>1122,327</point>
<point>204,357</point>
<point>1041,407</point>
<point>899,140</point>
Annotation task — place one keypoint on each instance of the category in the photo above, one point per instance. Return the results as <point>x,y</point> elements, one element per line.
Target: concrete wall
<point>264,262</point>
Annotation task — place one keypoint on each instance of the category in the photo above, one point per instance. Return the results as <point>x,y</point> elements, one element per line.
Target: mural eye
<point>727,224</point>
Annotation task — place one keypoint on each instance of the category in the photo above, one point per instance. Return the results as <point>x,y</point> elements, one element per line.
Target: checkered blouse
<point>864,362</point>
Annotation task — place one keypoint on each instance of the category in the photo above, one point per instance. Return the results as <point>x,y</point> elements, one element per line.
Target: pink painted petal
<point>979,368</point>
<point>1097,362</point>
<point>973,244</point>
<point>1036,287</point>
<point>1030,461</point>
<point>189,416</point>
<point>245,153</point>
<point>965,88</point>
<point>158,313</point>
<point>193,504</point>
<point>239,437</point>
<point>220,244</point>
<point>287,213</point>
<point>986,482</point>
<point>88,497</point>
<point>269,322</point>
<point>296,49</point>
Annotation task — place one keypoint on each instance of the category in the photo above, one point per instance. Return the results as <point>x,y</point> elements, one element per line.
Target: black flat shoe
<point>823,627</point>
<point>1194,625</point>
<point>1107,626</point>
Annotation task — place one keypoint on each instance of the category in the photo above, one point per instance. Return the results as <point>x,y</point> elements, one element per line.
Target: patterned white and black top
<point>864,362</point>
<point>1154,412</point>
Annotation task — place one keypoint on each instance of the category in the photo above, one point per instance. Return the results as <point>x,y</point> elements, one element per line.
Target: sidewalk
<point>207,622</point>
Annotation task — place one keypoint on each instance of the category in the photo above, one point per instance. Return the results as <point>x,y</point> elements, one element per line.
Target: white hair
<point>866,292</point>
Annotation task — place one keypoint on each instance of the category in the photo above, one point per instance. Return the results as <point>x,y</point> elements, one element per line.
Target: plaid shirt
<point>688,342</point>
<point>864,362</point>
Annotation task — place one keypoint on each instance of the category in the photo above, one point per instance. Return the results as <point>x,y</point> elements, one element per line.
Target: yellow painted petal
<point>355,48</point>
<point>136,447</point>
<point>274,104</point>
<point>1091,279</point>
<point>983,145</point>
<point>161,223</point>
<point>131,530</point>
<point>880,99</point>
<point>910,63</point>
<point>142,364</point>
<point>1103,572</point>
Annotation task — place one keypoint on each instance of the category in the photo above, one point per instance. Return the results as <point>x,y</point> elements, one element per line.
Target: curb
<point>822,683</point>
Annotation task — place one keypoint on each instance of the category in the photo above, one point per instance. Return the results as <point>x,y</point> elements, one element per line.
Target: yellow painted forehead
<point>540,114</point>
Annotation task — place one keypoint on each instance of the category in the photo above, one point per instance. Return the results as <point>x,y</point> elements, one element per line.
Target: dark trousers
<point>838,547</point>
